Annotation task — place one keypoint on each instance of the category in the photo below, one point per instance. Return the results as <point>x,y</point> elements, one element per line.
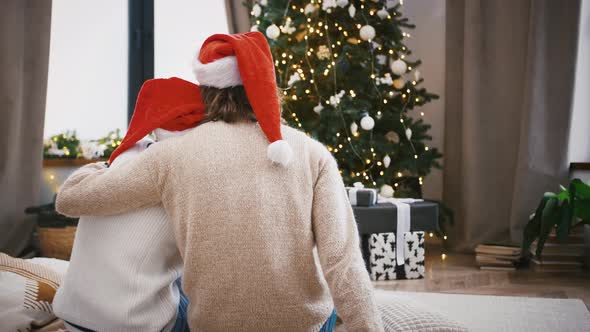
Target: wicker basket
<point>55,232</point>
<point>56,242</point>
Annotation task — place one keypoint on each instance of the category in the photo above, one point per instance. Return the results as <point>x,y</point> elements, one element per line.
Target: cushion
<point>26,293</point>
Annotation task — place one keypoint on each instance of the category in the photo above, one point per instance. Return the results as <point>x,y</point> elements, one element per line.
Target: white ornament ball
<point>354,128</point>
<point>386,161</point>
<point>367,32</point>
<point>309,9</point>
<point>409,133</point>
<point>383,13</point>
<point>386,191</point>
<point>399,67</point>
<point>341,3</point>
<point>256,10</point>
<point>399,83</point>
<point>351,11</point>
<point>367,122</point>
<point>273,31</point>
<point>254,28</point>
<point>263,2</point>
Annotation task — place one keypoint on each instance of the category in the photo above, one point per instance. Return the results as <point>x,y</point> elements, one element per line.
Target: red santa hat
<point>171,104</point>
<point>244,59</point>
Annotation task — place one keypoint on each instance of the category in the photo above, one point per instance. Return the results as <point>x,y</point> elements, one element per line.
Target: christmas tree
<point>350,82</point>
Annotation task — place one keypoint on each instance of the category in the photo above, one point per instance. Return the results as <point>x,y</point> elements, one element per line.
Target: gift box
<point>385,224</point>
<point>382,217</point>
<point>362,196</point>
<point>383,259</point>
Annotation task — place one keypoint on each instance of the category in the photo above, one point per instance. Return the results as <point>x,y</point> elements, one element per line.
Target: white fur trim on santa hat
<point>280,152</point>
<point>221,73</point>
<point>162,134</point>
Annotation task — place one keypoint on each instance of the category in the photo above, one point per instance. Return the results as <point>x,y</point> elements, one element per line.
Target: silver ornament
<point>354,128</point>
<point>386,161</point>
<point>409,133</point>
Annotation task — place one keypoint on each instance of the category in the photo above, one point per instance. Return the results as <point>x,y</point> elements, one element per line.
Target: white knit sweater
<point>122,270</point>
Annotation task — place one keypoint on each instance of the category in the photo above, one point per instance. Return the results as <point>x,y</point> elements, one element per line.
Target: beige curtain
<point>509,87</point>
<point>24,55</point>
<point>238,17</point>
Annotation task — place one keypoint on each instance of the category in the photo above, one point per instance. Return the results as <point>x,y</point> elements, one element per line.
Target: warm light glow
<point>445,237</point>
<point>443,256</point>
<point>431,234</point>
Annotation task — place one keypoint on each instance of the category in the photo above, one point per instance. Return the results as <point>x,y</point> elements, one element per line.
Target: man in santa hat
<point>266,232</point>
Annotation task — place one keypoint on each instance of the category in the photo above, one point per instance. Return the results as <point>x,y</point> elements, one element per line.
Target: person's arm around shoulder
<point>338,246</point>
<point>97,190</point>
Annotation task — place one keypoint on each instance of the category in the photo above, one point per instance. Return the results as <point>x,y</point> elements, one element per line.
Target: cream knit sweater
<point>122,270</point>
<point>265,247</point>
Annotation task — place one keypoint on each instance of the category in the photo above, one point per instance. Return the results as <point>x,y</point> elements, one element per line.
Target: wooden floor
<point>458,274</point>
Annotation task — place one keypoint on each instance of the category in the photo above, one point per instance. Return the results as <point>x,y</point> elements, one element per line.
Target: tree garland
<point>68,146</point>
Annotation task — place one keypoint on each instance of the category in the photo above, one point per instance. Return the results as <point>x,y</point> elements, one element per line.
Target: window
<point>180,27</point>
<point>87,79</point>
<point>91,85</point>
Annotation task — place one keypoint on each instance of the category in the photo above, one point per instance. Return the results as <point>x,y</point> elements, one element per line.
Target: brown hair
<point>228,104</point>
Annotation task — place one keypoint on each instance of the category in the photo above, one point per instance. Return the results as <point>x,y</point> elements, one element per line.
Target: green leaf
<point>533,227</point>
<point>582,209</point>
<point>582,188</point>
<point>549,218</point>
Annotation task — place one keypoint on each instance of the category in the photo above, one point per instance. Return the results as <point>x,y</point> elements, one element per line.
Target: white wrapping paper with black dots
<point>382,257</point>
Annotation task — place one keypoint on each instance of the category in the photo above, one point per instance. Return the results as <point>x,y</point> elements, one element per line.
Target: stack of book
<point>500,257</point>
<point>560,257</point>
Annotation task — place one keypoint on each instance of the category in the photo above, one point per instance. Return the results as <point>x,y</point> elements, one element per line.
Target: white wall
<point>579,142</point>
<point>87,83</point>
<point>180,27</point>
<point>427,43</point>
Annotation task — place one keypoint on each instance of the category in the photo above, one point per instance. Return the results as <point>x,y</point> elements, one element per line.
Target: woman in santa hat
<point>259,210</point>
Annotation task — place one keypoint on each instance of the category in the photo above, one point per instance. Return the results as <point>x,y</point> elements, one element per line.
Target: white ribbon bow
<point>404,224</point>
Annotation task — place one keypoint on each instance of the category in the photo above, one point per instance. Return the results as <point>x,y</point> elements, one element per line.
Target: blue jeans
<point>330,323</point>
<point>181,324</point>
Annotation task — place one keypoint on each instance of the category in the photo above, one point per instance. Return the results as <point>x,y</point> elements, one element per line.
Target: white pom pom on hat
<point>245,59</point>
<point>280,152</point>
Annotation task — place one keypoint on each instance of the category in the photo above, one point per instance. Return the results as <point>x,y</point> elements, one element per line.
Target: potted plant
<point>564,210</point>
